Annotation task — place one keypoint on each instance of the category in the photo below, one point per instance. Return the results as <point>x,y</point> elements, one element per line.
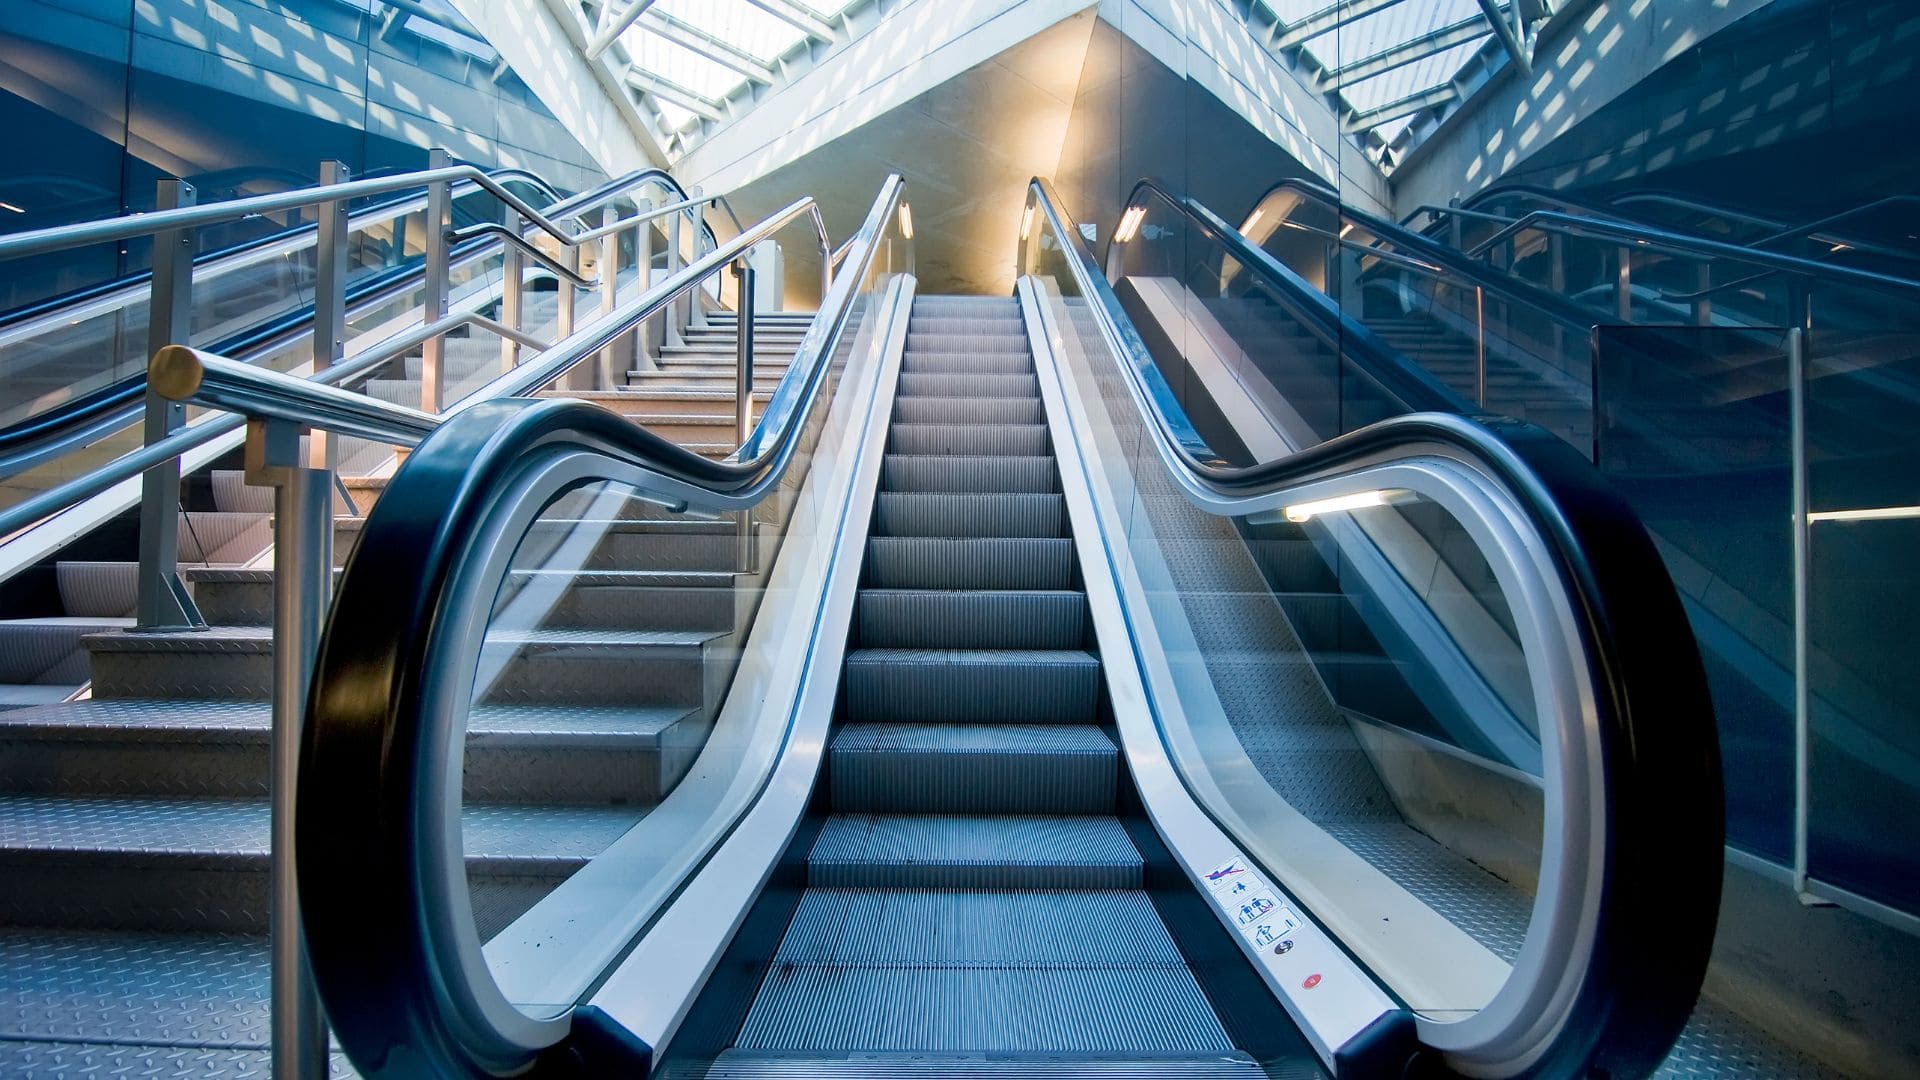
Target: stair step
<point>967,472</point>
<point>218,749</point>
<point>50,649</point>
<point>960,768</point>
<point>932,851</point>
<point>677,544</point>
<point>1005,619</point>
<point>924,562</point>
<point>98,588</point>
<point>1008,686</point>
<point>132,863</point>
<point>947,513</point>
<point>555,666</point>
<point>1023,440</point>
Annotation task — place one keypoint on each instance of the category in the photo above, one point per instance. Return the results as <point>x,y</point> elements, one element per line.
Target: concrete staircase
<point>133,825</point>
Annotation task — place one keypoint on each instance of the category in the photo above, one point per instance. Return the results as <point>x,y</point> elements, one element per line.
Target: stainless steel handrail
<point>180,373</point>
<point>1613,642</point>
<point>1647,237</point>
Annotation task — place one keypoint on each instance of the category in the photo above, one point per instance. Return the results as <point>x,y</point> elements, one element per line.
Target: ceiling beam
<point>1337,14</point>
<point>612,26</point>
<point>1512,34</point>
<point>1406,106</point>
<point>1432,43</point>
<point>688,36</point>
<point>797,17</point>
<point>698,104</point>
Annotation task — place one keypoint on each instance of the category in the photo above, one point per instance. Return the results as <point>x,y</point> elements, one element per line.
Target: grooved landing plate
<point>1103,1010</point>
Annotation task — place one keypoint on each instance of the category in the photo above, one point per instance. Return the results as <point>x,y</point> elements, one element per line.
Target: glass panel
<point>1695,434</point>
<point>1352,685</point>
<point>1864,613</point>
<point>623,616</point>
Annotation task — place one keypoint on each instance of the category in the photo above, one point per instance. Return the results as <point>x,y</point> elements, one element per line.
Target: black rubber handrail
<point>1660,867</point>
<point>92,414</point>
<point>378,801</point>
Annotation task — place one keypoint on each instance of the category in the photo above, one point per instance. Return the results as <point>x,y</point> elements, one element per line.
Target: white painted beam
<point>545,44</point>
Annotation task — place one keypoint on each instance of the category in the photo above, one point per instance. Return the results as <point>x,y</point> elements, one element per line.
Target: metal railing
<point>278,409</point>
<point>163,601</point>
<point>1627,728</point>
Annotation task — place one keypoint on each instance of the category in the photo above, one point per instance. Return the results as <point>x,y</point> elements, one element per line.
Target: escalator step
<point>966,472</point>
<point>932,562</point>
<point>763,1065</point>
<point>989,685</point>
<point>969,385</point>
<point>973,768</point>
<point>960,410</point>
<point>1026,440</point>
<point>937,851</point>
<point>1000,619</point>
<point>933,363</point>
<point>916,513</point>
<point>976,338</point>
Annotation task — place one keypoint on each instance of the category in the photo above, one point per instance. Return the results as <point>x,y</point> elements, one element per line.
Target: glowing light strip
<point>1360,500</point>
<point>1874,513</point>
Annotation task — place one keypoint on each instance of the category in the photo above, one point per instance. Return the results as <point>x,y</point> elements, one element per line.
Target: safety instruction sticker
<point>1258,914</point>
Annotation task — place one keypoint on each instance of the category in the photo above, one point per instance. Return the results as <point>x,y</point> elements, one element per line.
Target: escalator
<point>974,887</point>
<point>1024,758</point>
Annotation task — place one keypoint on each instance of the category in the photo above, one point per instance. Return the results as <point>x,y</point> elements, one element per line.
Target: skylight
<point>1387,63</point>
<point>691,63</point>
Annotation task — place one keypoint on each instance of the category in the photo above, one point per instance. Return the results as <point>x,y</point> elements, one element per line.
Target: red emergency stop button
<point>1312,981</point>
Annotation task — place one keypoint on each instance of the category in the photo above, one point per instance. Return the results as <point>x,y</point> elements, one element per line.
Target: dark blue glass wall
<point>99,99</point>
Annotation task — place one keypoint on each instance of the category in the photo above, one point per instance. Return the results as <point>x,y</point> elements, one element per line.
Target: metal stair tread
<point>259,639</point>
<point>107,720</point>
<point>236,830</point>
<point>792,1065</point>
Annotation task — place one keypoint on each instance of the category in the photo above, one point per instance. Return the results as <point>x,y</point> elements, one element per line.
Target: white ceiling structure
<point>1394,68</point>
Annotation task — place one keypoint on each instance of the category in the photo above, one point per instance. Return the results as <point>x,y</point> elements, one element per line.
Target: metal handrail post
<point>433,352</point>
<point>674,322</point>
<point>329,299</point>
<point>1623,286</point>
<point>604,377</point>
<point>743,352</point>
<point>510,285</point>
<point>302,587</point>
<point>643,338</point>
<point>696,311</point>
<point>162,599</point>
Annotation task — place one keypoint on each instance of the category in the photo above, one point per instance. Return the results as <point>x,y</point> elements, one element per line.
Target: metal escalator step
<point>766,1065</point>
<point>986,685</point>
<point>931,562</point>
<point>973,769</point>
<point>966,472</point>
<point>984,322</point>
<point>972,338</point>
<point>984,927</point>
<point>965,619</point>
<point>48,650</point>
<point>956,410</point>
<point>951,513</point>
<point>969,385</point>
<point>931,363</point>
<point>939,851</point>
<point>1116,1011</point>
<point>1024,440</point>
